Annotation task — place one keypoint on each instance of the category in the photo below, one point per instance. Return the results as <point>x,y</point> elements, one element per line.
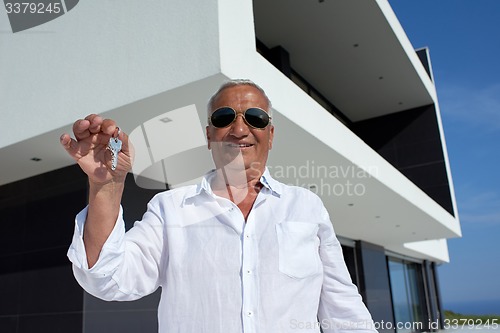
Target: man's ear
<point>271,137</point>
<point>208,137</point>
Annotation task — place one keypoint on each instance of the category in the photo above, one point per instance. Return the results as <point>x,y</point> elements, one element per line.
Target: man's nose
<point>239,127</point>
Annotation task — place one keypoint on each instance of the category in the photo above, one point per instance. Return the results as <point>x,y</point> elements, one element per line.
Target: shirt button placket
<point>249,282</point>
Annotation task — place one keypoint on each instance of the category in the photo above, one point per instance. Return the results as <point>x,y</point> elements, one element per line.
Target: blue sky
<point>464,41</point>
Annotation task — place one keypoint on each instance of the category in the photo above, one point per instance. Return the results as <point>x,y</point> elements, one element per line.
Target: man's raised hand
<point>89,149</point>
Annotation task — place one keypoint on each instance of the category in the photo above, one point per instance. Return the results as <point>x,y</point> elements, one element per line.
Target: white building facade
<point>357,121</point>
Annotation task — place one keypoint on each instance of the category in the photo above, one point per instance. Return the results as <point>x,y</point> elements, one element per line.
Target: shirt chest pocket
<point>298,249</point>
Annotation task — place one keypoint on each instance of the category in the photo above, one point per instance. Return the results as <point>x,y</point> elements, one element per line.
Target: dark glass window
<point>350,261</point>
<point>407,295</point>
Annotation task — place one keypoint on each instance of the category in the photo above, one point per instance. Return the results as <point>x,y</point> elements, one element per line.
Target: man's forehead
<point>240,94</point>
<point>240,90</point>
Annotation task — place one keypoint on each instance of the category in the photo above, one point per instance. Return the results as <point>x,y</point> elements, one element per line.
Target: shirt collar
<point>204,186</point>
<point>270,183</point>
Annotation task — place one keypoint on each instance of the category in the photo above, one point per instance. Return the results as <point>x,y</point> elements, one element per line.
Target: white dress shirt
<point>281,271</point>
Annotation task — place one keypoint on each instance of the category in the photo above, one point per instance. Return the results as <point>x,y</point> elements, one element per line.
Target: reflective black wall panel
<point>374,282</point>
<point>411,141</point>
<point>38,292</point>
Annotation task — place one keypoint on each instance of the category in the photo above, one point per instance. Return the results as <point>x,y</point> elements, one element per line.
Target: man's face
<point>228,142</point>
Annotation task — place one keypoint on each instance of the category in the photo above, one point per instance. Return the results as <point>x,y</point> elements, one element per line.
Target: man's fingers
<point>83,128</point>
<point>92,138</point>
<point>91,125</point>
<point>95,123</point>
<point>109,127</point>
<point>125,143</point>
<point>70,145</point>
<point>65,140</point>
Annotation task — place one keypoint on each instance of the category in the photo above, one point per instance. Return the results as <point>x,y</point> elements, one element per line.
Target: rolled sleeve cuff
<point>111,251</point>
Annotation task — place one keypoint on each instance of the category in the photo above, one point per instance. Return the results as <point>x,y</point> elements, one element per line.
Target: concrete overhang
<point>354,52</point>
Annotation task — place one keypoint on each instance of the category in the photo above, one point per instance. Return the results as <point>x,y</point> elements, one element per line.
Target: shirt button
<point>249,313</point>
<point>249,271</point>
<point>247,236</point>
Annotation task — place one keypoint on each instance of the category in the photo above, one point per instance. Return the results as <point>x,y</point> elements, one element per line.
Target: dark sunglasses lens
<point>222,117</point>
<point>257,118</point>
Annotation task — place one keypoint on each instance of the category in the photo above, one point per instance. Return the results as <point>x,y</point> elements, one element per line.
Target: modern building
<point>357,121</point>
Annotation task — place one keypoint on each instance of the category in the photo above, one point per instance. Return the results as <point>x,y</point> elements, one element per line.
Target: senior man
<point>239,252</point>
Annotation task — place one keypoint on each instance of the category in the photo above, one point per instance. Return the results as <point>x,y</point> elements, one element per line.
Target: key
<point>114,145</point>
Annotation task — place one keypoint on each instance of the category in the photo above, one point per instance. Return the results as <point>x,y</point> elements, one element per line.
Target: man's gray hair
<point>238,82</point>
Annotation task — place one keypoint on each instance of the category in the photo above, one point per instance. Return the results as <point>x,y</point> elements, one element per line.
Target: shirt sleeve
<point>341,308</point>
<point>129,263</point>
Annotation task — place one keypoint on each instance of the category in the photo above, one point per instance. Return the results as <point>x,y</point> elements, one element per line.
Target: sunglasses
<point>225,116</point>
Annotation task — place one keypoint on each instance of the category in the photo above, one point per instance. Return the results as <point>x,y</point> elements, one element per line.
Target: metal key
<point>114,145</point>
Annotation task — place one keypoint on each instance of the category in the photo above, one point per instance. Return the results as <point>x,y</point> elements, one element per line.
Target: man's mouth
<point>240,145</point>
